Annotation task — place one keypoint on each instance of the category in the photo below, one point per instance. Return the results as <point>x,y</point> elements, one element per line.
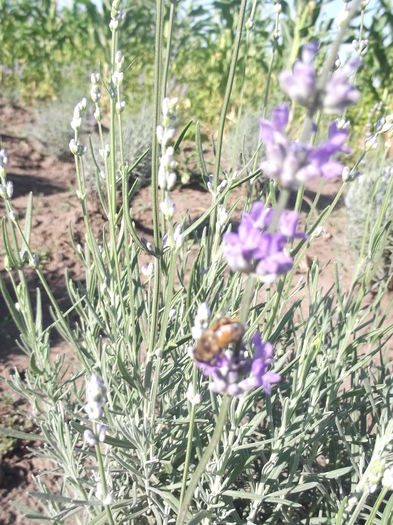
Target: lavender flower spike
<point>294,163</point>
<point>338,92</point>
<point>254,250</point>
<point>301,84</point>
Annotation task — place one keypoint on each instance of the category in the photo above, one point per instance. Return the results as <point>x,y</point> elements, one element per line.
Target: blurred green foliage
<point>42,44</point>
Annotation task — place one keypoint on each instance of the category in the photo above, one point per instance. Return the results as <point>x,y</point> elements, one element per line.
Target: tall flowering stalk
<point>96,399</point>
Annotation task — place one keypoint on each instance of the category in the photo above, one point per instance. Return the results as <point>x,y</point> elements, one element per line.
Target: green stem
<point>168,48</point>
<point>157,109</point>
<point>270,70</point>
<point>163,328</point>
<point>226,400</point>
<point>154,173</point>
<point>224,109</point>
<point>104,484</point>
<point>377,504</point>
<point>189,440</point>
<point>358,508</point>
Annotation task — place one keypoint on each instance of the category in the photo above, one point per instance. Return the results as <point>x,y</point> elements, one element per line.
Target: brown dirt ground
<point>55,207</point>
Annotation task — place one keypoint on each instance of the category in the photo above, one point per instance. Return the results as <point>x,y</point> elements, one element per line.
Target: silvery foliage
<point>242,141</point>
<point>51,125</point>
<point>137,132</point>
<point>363,202</point>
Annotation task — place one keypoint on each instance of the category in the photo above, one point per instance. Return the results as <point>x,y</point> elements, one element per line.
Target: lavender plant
<point>210,386</point>
<point>369,202</point>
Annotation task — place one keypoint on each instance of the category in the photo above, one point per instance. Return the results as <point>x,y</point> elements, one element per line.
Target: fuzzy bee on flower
<point>229,369</point>
<point>216,338</point>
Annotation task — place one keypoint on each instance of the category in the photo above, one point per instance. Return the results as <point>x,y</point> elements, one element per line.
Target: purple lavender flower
<point>294,163</point>
<point>338,92</point>
<point>234,374</point>
<point>254,250</point>
<point>320,156</point>
<point>301,84</point>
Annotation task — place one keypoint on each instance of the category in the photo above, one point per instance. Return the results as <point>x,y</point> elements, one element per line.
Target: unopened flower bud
<point>178,236</point>
<point>104,153</point>
<point>346,174</point>
<point>3,157</point>
<point>101,431</point>
<point>76,123</point>
<point>192,397</point>
<point>117,78</point>
<point>77,148</point>
<point>167,208</point>
<point>160,133</point>
<point>90,438</point>
<point>95,78</point>
<point>83,104</point>
<point>113,24</point>
<point>277,8</point>
<point>148,244</point>
<point>97,114</point>
<point>120,106</point>
<point>34,260</point>
<point>249,24</point>
<point>148,270</point>
<point>171,180</point>
<point>118,57</point>
<point>387,480</point>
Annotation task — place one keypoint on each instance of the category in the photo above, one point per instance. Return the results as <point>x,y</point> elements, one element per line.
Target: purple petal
<point>280,117</point>
<point>288,223</point>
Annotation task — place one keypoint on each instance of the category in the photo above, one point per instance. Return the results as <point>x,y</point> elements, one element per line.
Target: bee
<point>219,335</point>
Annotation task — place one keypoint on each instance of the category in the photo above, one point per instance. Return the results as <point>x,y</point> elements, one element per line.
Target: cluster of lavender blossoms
<point>254,249</point>
<point>78,149</point>
<point>292,162</point>
<point>96,399</point>
<point>301,84</point>
<point>167,177</point>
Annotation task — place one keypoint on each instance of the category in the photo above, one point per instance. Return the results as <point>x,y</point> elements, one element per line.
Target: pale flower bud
<point>387,480</point>
<point>104,153</point>
<point>148,270</point>
<point>178,236</point>
<point>117,78</point>
<point>3,157</point>
<point>77,148</point>
<point>171,180</point>
<point>89,438</point>
<point>98,114</point>
<point>249,24</point>
<point>192,397</point>
<point>120,106</point>
<point>76,123</point>
<point>9,188</point>
<point>162,178</point>
<point>113,24</point>
<point>167,208</point>
<point>34,260</point>
<point>222,216</point>
<point>101,431</point>
<point>118,57</point>
<point>95,78</point>
<point>160,133</point>
<point>83,104</point>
